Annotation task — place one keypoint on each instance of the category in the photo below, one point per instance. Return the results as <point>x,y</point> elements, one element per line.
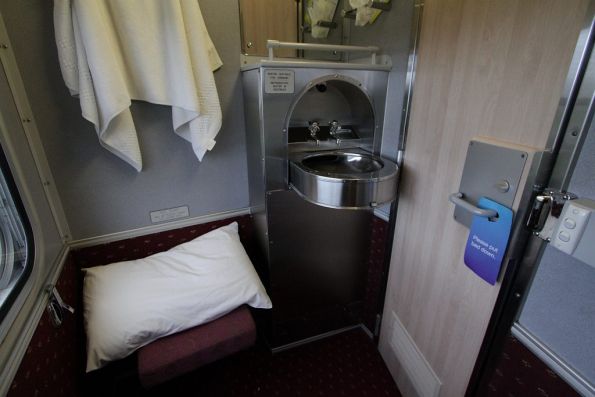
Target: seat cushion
<point>133,303</point>
<point>180,353</point>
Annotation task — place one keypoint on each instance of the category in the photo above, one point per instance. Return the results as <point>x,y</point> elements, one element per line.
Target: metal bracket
<point>321,24</point>
<point>327,24</point>
<point>381,6</point>
<point>546,210</point>
<point>350,14</point>
<point>377,5</point>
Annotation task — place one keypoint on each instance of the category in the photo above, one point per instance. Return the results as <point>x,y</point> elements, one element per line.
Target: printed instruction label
<point>169,214</point>
<point>279,81</point>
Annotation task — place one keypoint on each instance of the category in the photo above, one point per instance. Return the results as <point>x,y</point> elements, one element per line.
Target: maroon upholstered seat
<point>188,350</point>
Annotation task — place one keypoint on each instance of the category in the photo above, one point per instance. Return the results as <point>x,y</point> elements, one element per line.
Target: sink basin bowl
<point>342,163</point>
<point>352,179</point>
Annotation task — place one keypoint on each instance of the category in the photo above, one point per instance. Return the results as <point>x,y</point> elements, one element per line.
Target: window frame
<point>19,286</point>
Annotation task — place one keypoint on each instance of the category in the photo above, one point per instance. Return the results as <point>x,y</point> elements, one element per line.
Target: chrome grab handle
<point>457,199</point>
<point>272,44</point>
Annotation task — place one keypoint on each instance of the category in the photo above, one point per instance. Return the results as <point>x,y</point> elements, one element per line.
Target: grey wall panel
<point>102,194</point>
<point>560,306</point>
<point>391,33</point>
<point>560,312</point>
<point>582,182</point>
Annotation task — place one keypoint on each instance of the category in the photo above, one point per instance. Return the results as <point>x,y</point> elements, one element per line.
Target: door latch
<point>545,212</point>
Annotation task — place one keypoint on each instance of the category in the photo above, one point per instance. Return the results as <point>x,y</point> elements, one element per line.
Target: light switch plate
<point>575,232</point>
<point>169,214</point>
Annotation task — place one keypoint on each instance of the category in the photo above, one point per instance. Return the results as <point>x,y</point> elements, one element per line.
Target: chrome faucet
<point>334,128</point>
<point>314,129</point>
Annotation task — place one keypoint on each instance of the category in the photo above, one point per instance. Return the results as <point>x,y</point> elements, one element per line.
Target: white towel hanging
<point>159,51</point>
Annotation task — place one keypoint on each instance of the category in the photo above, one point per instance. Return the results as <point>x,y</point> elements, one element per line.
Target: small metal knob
<point>502,185</point>
<point>250,44</point>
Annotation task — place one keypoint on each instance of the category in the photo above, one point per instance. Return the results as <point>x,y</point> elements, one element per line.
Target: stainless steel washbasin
<point>351,178</point>
<point>342,163</point>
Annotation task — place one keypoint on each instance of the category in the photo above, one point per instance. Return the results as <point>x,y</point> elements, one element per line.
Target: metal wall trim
<point>108,238</point>
<point>576,71</point>
<point>576,131</point>
<point>573,378</point>
<point>410,75</point>
<point>301,342</point>
<point>17,88</point>
<point>414,39</point>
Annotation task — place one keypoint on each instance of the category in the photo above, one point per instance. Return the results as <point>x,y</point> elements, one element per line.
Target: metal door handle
<point>457,199</point>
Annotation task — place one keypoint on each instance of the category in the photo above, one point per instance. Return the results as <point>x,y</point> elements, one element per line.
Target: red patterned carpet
<point>347,364</point>
<point>519,373</point>
<point>344,365</point>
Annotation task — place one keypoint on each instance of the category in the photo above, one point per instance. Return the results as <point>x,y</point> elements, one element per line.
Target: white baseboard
<point>162,227</point>
<point>382,213</point>
<point>419,372</point>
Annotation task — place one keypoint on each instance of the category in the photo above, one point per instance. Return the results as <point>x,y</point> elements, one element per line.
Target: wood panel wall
<point>486,67</point>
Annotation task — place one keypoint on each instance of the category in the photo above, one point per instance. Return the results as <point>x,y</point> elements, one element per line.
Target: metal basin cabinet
<point>315,254</point>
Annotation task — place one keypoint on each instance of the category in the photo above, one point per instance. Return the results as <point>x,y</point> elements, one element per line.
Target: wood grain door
<point>491,68</point>
<point>263,20</point>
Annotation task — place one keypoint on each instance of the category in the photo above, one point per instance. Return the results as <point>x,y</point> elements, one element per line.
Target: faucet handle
<point>334,127</point>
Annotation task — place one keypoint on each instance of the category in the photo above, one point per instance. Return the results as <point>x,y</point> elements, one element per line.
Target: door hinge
<point>546,210</point>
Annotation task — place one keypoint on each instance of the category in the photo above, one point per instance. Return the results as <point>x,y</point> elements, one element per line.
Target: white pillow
<point>130,304</point>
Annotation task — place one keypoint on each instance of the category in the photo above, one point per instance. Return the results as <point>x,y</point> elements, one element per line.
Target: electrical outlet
<point>169,214</point>
<point>576,230</point>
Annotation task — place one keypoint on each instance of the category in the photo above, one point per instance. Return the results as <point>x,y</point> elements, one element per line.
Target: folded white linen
<point>365,14</point>
<point>159,51</point>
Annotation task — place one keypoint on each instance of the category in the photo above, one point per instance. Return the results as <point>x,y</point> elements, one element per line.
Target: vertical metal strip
<point>9,64</point>
<point>410,76</point>
<point>576,131</point>
<point>576,71</point>
<point>418,7</point>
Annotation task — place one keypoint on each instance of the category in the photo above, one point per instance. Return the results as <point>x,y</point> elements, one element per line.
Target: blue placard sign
<point>487,241</point>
